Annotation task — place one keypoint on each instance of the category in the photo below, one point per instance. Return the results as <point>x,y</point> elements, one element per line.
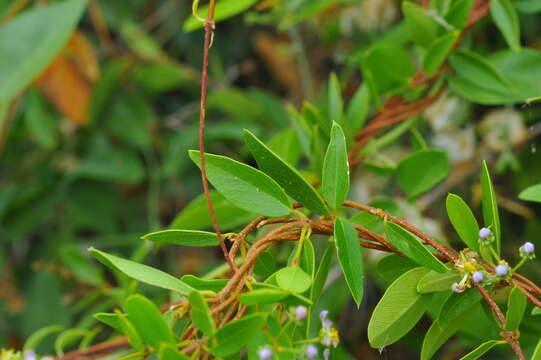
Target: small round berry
<point>457,288</point>
<point>323,314</point>
<point>477,277</point>
<point>301,312</point>
<point>265,354</point>
<point>311,351</point>
<point>502,270</point>
<point>484,233</point>
<point>528,247</point>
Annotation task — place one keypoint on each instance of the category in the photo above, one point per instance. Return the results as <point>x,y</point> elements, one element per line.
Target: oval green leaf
<point>458,304</point>
<point>294,279</point>
<point>411,246</point>
<point>335,181</point>
<point>516,306</point>
<point>233,336</point>
<point>201,315</point>
<point>435,282</point>
<point>140,272</point>
<point>263,296</point>
<point>532,193</point>
<point>438,52</point>
<point>183,237</point>
<point>293,183</point>
<point>463,221</point>
<point>246,187</point>
<point>480,350</point>
<point>400,308</point>
<point>348,249</point>
<point>421,171</point>
<point>491,216</point>
<point>506,19</point>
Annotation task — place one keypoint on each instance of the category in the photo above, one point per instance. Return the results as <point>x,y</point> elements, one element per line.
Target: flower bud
<point>311,351</point>
<point>528,247</point>
<point>301,312</point>
<point>502,270</point>
<point>323,314</point>
<point>265,354</point>
<point>477,277</point>
<point>484,233</point>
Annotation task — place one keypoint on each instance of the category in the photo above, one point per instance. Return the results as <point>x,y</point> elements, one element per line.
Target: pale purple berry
<point>265,354</point>
<point>301,312</point>
<point>311,351</point>
<point>327,324</point>
<point>477,277</point>
<point>29,355</point>
<point>484,233</point>
<point>502,270</point>
<point>528,247</point>
<point>323,314</point>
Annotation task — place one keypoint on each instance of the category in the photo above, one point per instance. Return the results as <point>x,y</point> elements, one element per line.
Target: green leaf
<point>358,108</point>
<point>195,216</point>
<point>436,336</point>
<point>532,193</point>
<point>265,265</point>
<point>183,237</point>
<point>463,221</point>
<point>400,308</point>
<point>516,306</point>
<point>246,187</point>
<point>41,33</point>
<point>382,57</point>
<point>458,304</point>
<point>233,336</point>
<point>391,266</point>
<point>224,10</point>
<point>536,311</point>
<point>435,281</point>
<point>537,352</point>
<point>350,257</point>
<point>422,27</point>
<point>480,350</point>
<point>215,285</point>
<point>421,171</point>
<point>148,321</point>
<point>294,279</point>
<point>80,265</point>
<point>490,206</point>
<point>286,145</point>
<point>438,51</point>
<point>140,272</point>
<point>527,6</point>
<point>37,337</point>
<point>40,120</point>
<point>411,246</point>
<point>335,182</point>
<point>263,296</point>
<point>200,314</point>
<point>67,338</point>
<point>336,105</point>
<point>109,319</point>
<point>293,183</point>
<point>321,274</point>
<point>506,19</point>
<point>458,13</point>
<point>129,331</point>
<point>170,352</point>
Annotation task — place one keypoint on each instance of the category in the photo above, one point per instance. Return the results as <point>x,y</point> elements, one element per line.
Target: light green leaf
<point>506,19</point>
<point>358,108</point>
<point>348,249</point>
<point>438,51</point>
<point>200,314</point>
<point>40,34</point>
<point>336,105</point>
<point>532,193</point>
<point>204,284</point>
<point>263,296</point>
<point>170,352</point>
<point>458,13</point>
<point>148,321</point>
<point>294,279</point>
<point>536,311</point>
<point>400,308</point>
<point>537,352</point>
<point>480,350</point>
<point>411,246</point>
<point>463,221</point>
<point>491,216</point>
<point>516,306</point>
<point>233,336</point>
<point>422,27</point>
<point>335,182</point>
<point>183,237</point>
<point>435,281</point>
<point>68,338</point>
<point>246,187</point>
<point>109,319</point>
<point>293,183</point>
<point>436,336</point>
<point>321,274</point>
<point>37,337</point>
<point>140,272</point>
<point>224,10</point>
<point>421,171</point>
<point>127,328</point>
<point>458,304</point>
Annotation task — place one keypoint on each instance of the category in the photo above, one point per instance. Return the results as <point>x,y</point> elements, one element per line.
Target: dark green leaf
<point>80,265</point>
<point>458,304</point>
<point>491,216</point>
<point>204,284</point>
<point>391,266</point>
<point>41,33</point>
<point>463,221</point>
<point>458,13</point>
<point>532,193</point>
<point>436,336</point>
<point>505,17</point>
<point>411,246</point>
<point>438,51</point>
<point>527,6</point>
<point>335,182</point>
<point>294,279</point>
<point>435,281</point>
<point>516,306</point>
<point>421,171</point>
<point>200,314</point>
<point>143,273</point>
<point>148,321</point>
<point>183,237</point>
<point>480,350</point>
<point>233,336</point>
<point>293,183</point>
<point>246,187</point>
<point>263,296</point>
<point>40,121</point>
<point>382,57</point>
<point>265,265</point>
<point>422,27</point>
<point>400,308</point>
<point>348,249</point>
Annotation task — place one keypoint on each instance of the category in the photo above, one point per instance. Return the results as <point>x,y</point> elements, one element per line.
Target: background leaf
<point>422,170</point>
<point>183,237</point>
<point>233,336</point>
<point>506,18</point>
<point>532,193</point>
